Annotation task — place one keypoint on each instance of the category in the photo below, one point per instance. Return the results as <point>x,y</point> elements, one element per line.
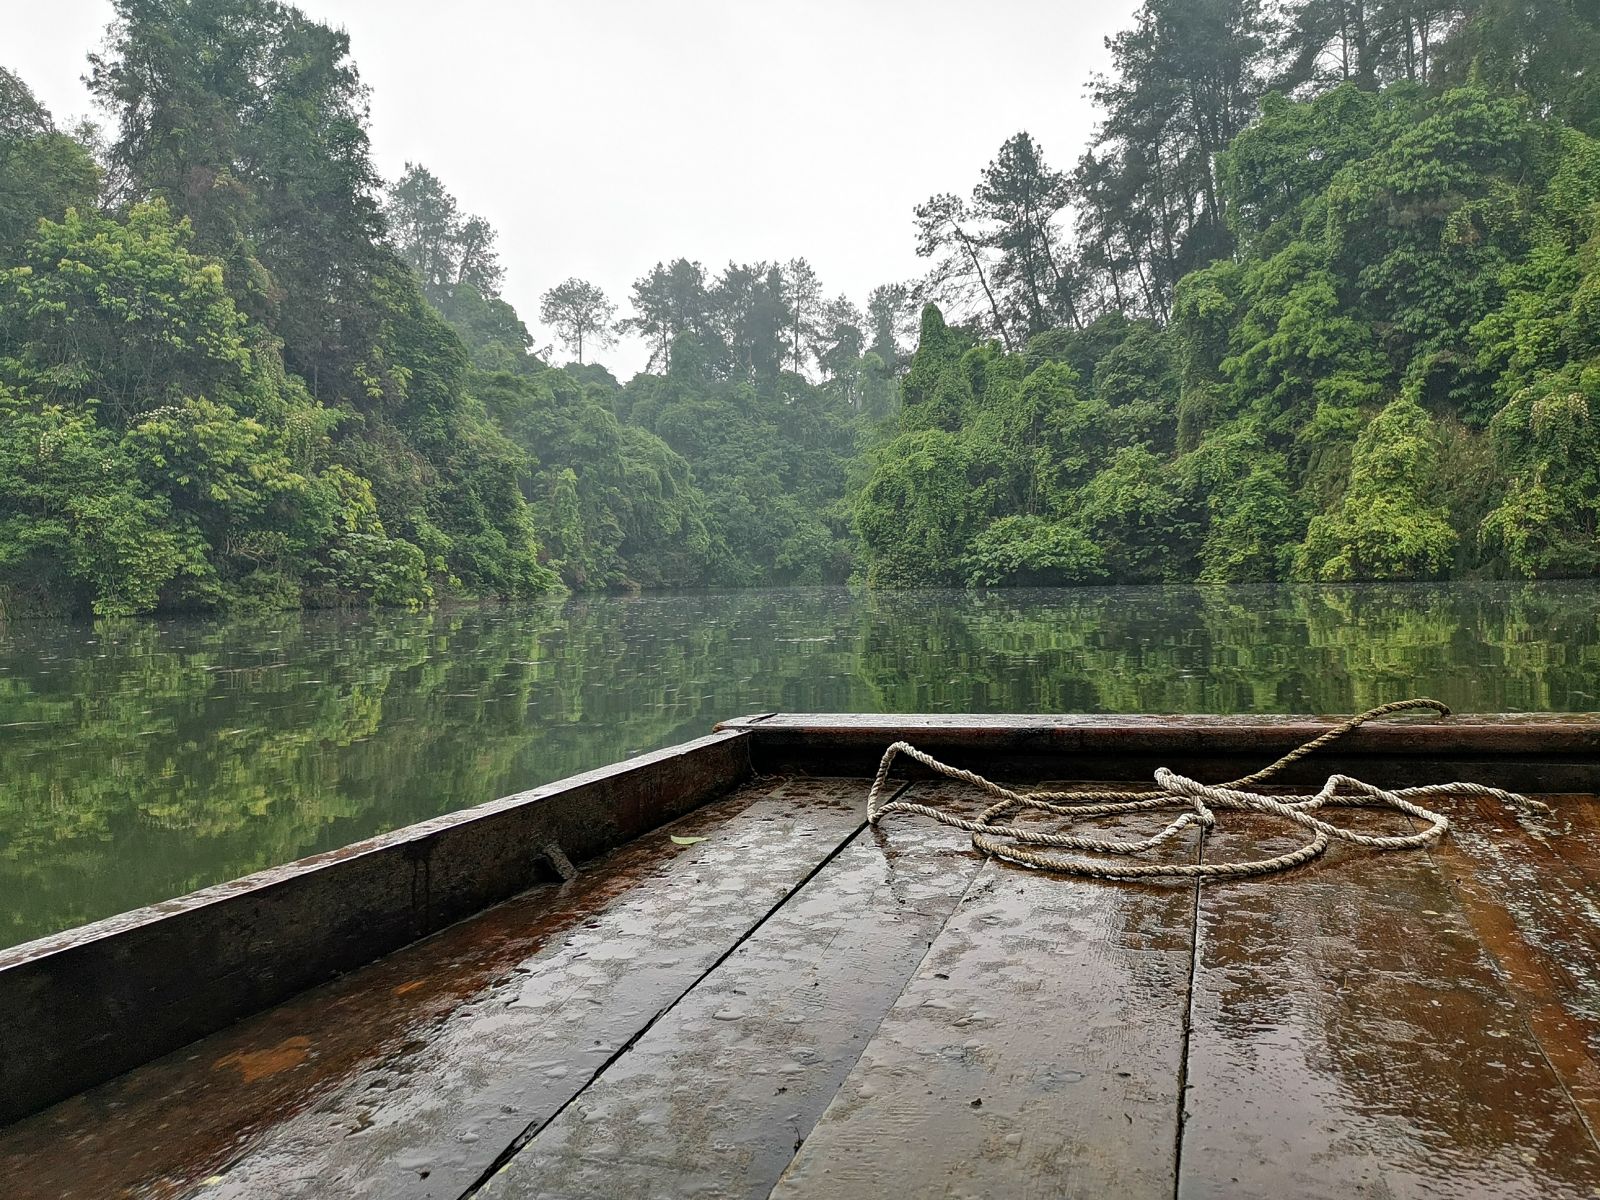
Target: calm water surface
<point>143,759</point>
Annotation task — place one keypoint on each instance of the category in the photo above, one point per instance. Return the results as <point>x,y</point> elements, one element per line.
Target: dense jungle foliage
<point>1347,329</point>
<point>1321,302</point>
<point>236,369</point>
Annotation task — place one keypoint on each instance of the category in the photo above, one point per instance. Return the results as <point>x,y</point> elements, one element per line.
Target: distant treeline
<point>1322,301</point>
<point>236,369</point>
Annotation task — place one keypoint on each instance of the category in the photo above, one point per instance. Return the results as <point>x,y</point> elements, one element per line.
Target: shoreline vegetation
<point>1321,303</point>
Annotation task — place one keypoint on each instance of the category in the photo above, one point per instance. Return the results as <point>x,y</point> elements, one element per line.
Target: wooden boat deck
<point>803,1006</point>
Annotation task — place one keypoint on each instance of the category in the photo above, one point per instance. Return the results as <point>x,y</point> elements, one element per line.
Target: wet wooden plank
<point>1530,886</point>
<point>522,1052</point>
<point>79,1007</point>
<point>714,1100</point>
<point>409,1077</point>
<point>1036,1052</point>
<point>1351,1037</point>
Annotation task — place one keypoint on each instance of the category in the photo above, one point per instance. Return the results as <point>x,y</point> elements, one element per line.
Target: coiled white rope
<point>1198,802</point>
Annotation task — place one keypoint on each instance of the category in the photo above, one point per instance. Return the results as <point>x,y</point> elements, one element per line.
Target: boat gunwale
<point>407,836</point>
<point>81,1006</point>
<point>1518,733</point>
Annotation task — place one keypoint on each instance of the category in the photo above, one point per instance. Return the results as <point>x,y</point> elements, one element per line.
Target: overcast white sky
<point>599,136</point>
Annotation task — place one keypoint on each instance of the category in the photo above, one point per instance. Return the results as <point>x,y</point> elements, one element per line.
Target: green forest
<point>1321,302</point>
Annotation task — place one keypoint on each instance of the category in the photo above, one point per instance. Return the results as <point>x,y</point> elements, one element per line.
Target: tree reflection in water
<point>143,759</point>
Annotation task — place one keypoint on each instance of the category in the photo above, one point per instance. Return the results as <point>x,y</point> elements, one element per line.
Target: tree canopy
<point>1319,302</point>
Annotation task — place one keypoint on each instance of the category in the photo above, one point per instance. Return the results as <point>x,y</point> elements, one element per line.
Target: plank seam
<point>1188,1023</point>
<point>980,872</point>
<point>533,1130</point>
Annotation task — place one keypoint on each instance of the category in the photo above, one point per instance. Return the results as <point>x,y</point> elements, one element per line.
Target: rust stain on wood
<point>253,1065</point>
<point>429,1120</point>
<point>1351,1037</point>
<point>84,1005</point>
<point>1530,886</point>
<point>156,1131</point>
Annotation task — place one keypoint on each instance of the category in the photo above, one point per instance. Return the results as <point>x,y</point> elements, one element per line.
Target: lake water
<point>143,759</point>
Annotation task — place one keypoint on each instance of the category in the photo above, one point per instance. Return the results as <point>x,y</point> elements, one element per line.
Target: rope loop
<point>1197,804</point>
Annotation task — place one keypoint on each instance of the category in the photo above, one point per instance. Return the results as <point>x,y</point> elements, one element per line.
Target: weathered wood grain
<point>715,1098</point>
<point>409,1077</point>
<point>1036,1052</point>
<point>1372,1025</point>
